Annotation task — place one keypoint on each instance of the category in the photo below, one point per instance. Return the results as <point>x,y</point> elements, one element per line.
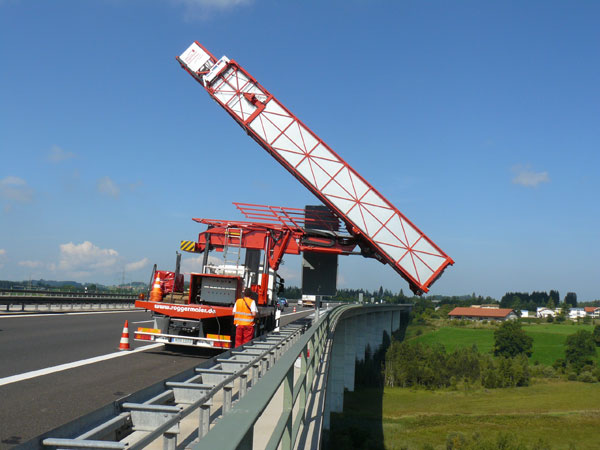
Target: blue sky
<point>480,121</point>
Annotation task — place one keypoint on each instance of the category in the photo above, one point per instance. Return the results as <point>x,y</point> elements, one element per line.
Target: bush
<point>560,365</point>
<point>580,350</point>
<point>596,335</point>
<point>502,441</point>
<point>510,340</point>
<point>415,364</point>
<point>587,377</point>
<point>455,441</point>
<point>542,371</point>
<point>506,372</point>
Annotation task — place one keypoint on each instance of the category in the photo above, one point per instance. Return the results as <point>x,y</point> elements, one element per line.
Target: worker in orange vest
<point>244,312</point>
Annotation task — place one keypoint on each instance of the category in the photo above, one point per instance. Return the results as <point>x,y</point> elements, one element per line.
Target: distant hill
<point>66,285</point>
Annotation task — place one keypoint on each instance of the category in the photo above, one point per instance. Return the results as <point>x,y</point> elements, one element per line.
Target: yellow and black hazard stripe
<point>188,246</point>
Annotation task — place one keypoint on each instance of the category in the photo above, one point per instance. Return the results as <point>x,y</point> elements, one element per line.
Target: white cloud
<point>31,264</point>
<point>194,263</point>
<point>80,258</point>
<point>133,266</point>
<point>107,186</point>
<point>57,154</point>
<point>526,177</point>
<point>15,189</point>
<point>203,8</point>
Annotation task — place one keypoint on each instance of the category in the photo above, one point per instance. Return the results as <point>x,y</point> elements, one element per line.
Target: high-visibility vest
<point>243,314</point>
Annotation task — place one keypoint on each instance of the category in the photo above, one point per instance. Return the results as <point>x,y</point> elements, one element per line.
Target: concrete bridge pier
<point>361,336</point>
<point>352,336</point>
<point>350,352</point>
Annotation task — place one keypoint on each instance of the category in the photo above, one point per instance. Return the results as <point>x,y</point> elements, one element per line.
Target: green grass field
<point>555,414</point>
<point>548,339</point>
<point>549,414</point>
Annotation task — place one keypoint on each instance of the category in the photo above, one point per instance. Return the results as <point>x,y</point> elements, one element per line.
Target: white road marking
<point>69,313</point>
<point>298,312</point>
<point>72,365</point>
<point>83,362</point>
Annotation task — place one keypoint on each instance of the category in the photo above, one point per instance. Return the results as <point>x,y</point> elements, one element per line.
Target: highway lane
<point>34,406</point>
<point>35,342</point>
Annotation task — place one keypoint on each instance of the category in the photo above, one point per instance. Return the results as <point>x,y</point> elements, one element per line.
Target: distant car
<point>282,303</point>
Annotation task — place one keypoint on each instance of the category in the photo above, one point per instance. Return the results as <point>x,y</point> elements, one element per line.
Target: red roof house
<point>482,313</point>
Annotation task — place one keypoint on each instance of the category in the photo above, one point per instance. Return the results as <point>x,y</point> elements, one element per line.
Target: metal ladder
<point>233,246</point>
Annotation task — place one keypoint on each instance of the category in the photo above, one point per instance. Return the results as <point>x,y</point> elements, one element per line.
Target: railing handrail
<point>238,423</point>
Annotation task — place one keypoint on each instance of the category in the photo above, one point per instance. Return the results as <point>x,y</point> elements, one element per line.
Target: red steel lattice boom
<point>382,230</point>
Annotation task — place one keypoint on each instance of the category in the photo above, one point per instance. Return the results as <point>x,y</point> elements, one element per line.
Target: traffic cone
<point>294,309</point>
<point>156,293</point>
<point>124,344</point>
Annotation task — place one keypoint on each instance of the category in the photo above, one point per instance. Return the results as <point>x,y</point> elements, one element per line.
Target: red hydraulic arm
<point>287,235</point>
<point>382,231</point>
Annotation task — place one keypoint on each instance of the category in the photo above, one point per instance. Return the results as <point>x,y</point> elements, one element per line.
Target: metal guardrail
<point>161,414</point>
<point>71,300</point>
<point>236,430</point>
<point>70,294</point>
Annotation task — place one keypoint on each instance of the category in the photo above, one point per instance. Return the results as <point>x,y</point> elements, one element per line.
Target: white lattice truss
<point>329,177</point>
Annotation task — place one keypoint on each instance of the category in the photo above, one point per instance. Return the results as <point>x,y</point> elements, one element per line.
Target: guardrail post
<point>264,363</point>
<point>146,417</point>
<point>204,419</point>
<point>243,384</point>
<point>255,372</point>
<point>227,398</point>
<point>169,441</point>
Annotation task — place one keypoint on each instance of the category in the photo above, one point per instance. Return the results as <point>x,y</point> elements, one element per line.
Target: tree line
<point>512,300</point>
<point>413,364</point>
<point>524,300</point>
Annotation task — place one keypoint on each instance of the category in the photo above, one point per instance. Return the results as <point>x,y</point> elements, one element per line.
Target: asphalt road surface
<point>32,403</point>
